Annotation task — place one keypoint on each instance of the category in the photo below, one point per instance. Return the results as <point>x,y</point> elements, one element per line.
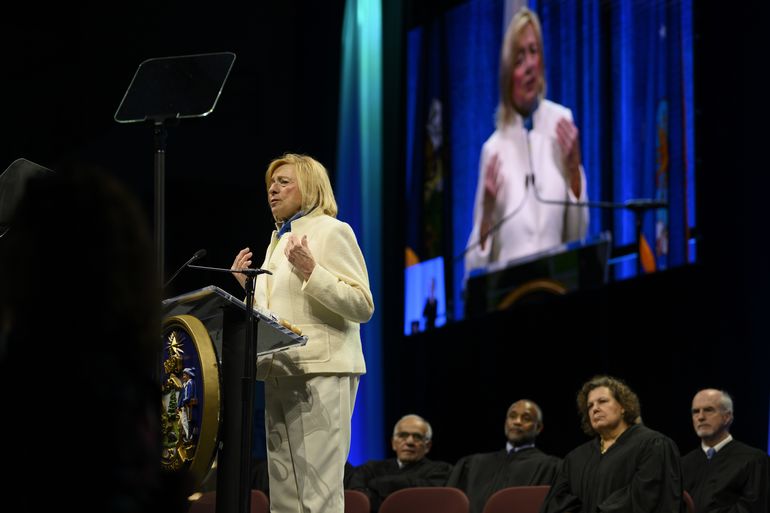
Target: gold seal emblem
<point>190,398</point>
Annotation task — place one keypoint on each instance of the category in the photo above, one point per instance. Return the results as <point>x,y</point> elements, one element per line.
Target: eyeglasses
<point>417,437</point>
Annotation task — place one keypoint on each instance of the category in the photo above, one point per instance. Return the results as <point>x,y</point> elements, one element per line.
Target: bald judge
<point>519,463</point>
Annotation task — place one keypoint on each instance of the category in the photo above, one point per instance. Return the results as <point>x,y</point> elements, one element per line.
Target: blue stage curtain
<point>466,40</point>
<point>358,186</point>
<point>625,69</point>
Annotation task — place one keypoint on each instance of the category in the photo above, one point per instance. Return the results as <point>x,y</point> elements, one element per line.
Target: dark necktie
<point>710,452</point>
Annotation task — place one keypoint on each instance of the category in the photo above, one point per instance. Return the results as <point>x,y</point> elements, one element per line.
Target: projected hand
<point>493,182</point>
<point>568,137</point>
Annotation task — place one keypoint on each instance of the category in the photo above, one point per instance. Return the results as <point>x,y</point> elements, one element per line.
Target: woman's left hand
<point>299,255</point>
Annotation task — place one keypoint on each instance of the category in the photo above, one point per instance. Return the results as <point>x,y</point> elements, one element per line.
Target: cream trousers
<point>307,421</point>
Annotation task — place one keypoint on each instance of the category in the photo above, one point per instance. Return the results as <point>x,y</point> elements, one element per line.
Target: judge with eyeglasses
<point>412,440</point>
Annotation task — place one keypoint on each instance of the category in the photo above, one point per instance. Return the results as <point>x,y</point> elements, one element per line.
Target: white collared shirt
<point>510,447</point>
<point>718,446</point>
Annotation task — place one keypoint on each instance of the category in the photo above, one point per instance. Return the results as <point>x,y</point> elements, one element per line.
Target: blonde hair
<point>506,111</point>
<point>312,180</point>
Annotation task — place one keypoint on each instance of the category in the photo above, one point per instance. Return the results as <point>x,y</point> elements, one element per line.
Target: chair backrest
<point>207,503</point>
<point>428,499</point>
<point>517,499</point>
<point>356,502</point>
<point>688,502</point>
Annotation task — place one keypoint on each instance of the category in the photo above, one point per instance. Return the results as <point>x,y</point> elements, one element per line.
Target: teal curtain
<point>358,185</point>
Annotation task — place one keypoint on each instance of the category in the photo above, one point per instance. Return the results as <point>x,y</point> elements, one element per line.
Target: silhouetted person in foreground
<point>79,339</point>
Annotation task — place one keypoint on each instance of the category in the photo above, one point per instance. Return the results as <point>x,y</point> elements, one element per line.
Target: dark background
<point>66,69</point>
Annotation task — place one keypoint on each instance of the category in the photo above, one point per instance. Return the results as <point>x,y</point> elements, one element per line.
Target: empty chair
<point>260,503</point>
<point>356,502</point>
<point>208,503</point>
<point>426,499</point>
<point>688,502</point>
<point>517,499</point>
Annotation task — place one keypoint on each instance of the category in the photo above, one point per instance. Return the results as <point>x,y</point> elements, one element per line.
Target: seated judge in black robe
<point>410,468</point>
<point>723,475</point>
<point>627,468</point>
<point>518,464</point>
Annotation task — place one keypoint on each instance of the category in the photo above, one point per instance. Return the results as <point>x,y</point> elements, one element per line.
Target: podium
<point>203,387</point>
<point>565,268</point>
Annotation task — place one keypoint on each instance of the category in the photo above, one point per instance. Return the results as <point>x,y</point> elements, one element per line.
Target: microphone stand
<point>247,385</point>
<point>160,134</point>
<point>637,206</point>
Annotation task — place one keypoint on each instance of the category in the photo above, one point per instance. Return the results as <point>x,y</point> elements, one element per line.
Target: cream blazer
<point>328,307</point>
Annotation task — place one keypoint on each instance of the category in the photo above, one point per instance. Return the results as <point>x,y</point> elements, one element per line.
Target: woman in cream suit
<point>319,282</point>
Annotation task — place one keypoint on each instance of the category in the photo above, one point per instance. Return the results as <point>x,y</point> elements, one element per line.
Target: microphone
<point>247,272</point>
<point>197,256</point>
<point>644,203</point>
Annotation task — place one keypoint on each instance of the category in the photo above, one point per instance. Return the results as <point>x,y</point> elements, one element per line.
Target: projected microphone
<point>636,205</point>
<point>644,203</point>
<point>197,256</point>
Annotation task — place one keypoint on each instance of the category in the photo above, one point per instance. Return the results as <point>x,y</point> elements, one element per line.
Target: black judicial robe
<point>481,475</point>
<point>639,473</point>
<point>380,478</point>
<point>735,480</point>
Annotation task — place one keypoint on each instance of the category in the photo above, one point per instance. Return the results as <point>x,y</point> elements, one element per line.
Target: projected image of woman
<point>535,145</point>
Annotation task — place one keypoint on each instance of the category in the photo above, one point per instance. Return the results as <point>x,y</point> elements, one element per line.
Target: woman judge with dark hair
<point>626,467</point>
